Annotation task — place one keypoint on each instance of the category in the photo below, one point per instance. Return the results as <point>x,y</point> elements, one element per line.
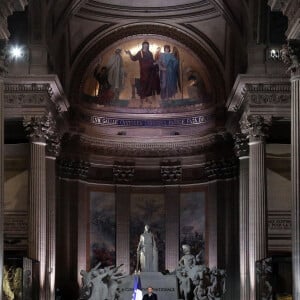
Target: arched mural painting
<point>146,71</point>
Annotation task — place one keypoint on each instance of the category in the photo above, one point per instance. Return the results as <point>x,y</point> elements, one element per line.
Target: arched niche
<point>200,78</point>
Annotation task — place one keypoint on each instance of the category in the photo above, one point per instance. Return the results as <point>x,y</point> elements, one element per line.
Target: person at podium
<point>150,295</point>
<point>147,252</point>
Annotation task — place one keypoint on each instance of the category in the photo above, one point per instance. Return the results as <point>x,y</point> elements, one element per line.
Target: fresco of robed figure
<point>156,72</point>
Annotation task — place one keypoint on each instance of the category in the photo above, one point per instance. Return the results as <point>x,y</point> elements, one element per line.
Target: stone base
<point>165,286</point>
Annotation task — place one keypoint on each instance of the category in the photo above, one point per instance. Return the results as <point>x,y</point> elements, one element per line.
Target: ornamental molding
<point>134,147</point>
<point>44,130</point>
<point>221,169</point>
<point>255,127</point>
<point>33,95</point>
<point>123,172</point>
<point>73,168</point>
<point>279,225</point>
<point>171,172</point>
<point>260,93</point>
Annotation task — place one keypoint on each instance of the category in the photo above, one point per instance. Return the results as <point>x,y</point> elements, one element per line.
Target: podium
<point>165,286</point>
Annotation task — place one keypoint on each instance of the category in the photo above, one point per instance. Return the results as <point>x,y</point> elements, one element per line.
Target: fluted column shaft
<point>1,181</point>
<point>51,227</point>
<point>257,207</point>
<point>244,227</point>
<point>37,210</point>
<point>295,145</point>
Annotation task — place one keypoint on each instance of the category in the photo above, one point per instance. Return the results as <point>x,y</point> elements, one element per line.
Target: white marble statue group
<point>101,283</point>
<point>198,282</point>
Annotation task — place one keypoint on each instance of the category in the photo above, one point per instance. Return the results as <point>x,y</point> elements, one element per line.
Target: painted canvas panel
<point>147,209</point>
<point>102,229</point>
<point>147,72</point>
<point>192,223</point>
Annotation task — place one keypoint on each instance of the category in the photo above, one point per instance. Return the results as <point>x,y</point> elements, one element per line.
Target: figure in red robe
<point>149,78</point>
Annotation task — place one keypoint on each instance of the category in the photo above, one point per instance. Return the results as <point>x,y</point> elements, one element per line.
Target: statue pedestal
<point>165,286</point>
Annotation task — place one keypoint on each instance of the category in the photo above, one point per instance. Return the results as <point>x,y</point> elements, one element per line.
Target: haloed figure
<point>149,81</point>
<point>169,69</point>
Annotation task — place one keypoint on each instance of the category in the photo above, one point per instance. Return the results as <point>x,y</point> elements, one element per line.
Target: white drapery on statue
<point>147,252</point>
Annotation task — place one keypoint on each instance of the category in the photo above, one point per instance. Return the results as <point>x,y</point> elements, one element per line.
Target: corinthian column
<point>1,178</point>
<point>52,152</point>
<point>256,128</point>
<point>37,129</point>
<point>242,152</point>
<point>291,56</point>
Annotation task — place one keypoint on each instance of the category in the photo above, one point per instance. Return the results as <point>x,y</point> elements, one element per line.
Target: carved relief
<point>123,172</point>
<point>70,168</point>
<point>27,94</point>
<point>221,169</point>
<point>241,146</point>
<point>44,129</point>
<point>171,172</point>
<point>267,94</point>
<point>290,55</point>
<point>255,126</point>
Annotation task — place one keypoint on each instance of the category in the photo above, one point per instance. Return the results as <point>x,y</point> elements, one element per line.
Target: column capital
<point>43,130</point>
<point>290,55</point>
<point>241,146</point>
<point>255,127</point>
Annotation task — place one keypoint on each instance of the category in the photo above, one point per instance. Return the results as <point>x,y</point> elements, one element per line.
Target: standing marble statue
<point>147,252</point>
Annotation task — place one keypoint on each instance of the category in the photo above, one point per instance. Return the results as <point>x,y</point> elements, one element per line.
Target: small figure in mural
<point>147,252</point>
<point>104,91</point>
<point>169,72</point>
<point>149,81</point>
<point>196,88</point>
<point>150,295</point>
<point>116,74</point>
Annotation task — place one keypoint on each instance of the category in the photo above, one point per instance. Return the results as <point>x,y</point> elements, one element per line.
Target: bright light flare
<point>16,52</point>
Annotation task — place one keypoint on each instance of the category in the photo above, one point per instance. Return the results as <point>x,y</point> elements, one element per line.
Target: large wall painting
<point>102,229</point>
<point>147,209</point>
<point>149,71</point>
<point>192,223</point>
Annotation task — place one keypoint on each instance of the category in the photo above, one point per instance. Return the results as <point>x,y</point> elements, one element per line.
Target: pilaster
<point>242,152</point>
<point>39,130</point>
<point>291,56</point>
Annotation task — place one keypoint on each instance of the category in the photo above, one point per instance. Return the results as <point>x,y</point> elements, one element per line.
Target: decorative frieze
<point>171,171</point>
<point>279,224</point>
<point>75,169</point>
<point>142,122</point>
<point>135,147</point>
<point>267,94</point>
<point>123,172</point>
<point>17,95</point>
<point>16,223</point>
<point>221,169</point>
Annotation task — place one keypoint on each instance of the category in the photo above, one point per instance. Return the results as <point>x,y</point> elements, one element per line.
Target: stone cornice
<point>141,147</point>
<point>33,94</point>
<point>260,94</point>
<point>267,96</point>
